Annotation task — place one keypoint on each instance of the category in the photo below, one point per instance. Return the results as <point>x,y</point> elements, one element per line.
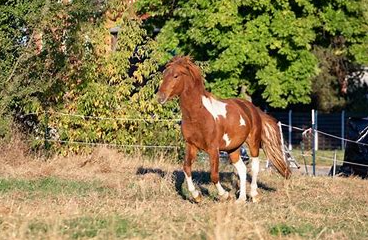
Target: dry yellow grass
<point>107,195</point>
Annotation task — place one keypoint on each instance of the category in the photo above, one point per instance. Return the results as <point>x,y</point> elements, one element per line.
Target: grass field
<point>323,157</point>
<point>106,195</point>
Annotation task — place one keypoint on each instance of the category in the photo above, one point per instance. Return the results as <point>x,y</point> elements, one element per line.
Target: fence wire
<point>114,145</point>
<point>119,119</point>
<point>155,119</point>
<point>324,133</point>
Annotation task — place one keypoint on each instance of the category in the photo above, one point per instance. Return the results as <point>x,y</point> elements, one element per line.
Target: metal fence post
<point>314,142</point>
<point>290,129</point>
<point>334,165</point>
<point>316,128</point>
<point>342,129</point>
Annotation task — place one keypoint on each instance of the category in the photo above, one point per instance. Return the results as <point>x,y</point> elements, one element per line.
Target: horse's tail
<point>272,146</point>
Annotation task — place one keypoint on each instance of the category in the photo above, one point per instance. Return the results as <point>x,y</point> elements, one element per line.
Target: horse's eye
<point>176,76</point>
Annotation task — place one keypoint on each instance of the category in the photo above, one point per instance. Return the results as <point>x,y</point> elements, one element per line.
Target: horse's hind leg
<point>242,172</point>
<point>253,185</point>
<point>254,146</point>
<point>190,156</point>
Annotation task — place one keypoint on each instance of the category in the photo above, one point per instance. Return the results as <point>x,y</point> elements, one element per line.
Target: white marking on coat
<point>242,121</point>
<point>220,189</point>
<point>242,172</point>
<point>226,139</point>
<point>191,187</point>
<point>215,107</point>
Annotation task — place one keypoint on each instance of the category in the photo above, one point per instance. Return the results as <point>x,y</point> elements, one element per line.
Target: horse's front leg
<point>242,173</point>
<point>190,156</point>
<point>215,177</point>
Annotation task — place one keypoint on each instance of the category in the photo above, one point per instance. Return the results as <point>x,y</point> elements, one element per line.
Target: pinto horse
<point>212,124</point>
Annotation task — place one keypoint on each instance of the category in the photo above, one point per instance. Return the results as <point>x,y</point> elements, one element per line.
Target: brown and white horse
<point>214,125</point>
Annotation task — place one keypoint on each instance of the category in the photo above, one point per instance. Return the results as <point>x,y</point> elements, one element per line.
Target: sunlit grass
<point>108,195</point>
<point>51,186</point>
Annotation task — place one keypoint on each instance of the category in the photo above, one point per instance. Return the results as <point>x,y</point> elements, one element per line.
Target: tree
<point>266,46</point>
<point>76,72</point>
<point>17,19</point>
<point>341,47</point>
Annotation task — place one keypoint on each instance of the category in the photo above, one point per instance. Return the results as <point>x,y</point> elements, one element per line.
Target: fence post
<point>290,129</point>
<point>342,129</point>
<point>334,165</point>
<point>314,142</point>
<point>316,128</point>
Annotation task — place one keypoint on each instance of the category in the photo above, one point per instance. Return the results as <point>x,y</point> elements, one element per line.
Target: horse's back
<point>251,112</point>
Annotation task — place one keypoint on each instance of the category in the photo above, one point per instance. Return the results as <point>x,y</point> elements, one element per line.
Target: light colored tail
<point>271,144</point>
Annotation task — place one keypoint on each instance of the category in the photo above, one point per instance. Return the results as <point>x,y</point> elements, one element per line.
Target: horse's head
<point>179,74</point>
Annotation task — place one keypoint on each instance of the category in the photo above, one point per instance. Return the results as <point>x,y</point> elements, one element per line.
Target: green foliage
<point>262,45</point>
<point>77,73</point>
<point>5,127</point>
<point>109,91</point>
<point>326,88</point>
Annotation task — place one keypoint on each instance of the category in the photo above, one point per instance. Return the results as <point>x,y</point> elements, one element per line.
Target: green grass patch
<point>323,157</point>
<point>305,230</point>
<point>37,228</point>
<point>85,227</point>
<point>52,186</point>
<point>88,227</point>
<point>282,229</point>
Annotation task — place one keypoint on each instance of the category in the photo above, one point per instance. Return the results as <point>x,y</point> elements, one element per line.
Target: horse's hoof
<point>224,197</point>
<point>241,201</point>
<point>256,199</point>
<point>198,199</point>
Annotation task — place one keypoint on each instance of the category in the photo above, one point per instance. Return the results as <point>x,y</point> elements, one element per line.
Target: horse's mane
<point>187,62</point>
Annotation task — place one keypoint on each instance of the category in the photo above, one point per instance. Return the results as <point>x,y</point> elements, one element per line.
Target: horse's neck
<point>191,102</point>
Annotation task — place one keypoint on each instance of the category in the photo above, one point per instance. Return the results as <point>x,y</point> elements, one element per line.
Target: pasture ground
<point>107,195</point>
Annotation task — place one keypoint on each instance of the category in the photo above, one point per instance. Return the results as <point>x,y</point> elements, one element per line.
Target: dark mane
<point>187,62</point>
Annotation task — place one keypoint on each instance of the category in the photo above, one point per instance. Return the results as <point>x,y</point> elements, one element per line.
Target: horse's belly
<point>232,139</point>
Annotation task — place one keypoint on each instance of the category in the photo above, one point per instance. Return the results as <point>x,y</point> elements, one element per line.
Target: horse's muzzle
<point>161,97</point>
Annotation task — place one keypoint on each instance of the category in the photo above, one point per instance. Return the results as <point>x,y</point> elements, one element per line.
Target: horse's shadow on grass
<point>200,177</point>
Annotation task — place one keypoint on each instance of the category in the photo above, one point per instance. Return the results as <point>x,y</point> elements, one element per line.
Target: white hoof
<point>198,198</point>
<point>254,196</point>
<point>224,197</point>
<point>241,200</point>
<point>256,199</point>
